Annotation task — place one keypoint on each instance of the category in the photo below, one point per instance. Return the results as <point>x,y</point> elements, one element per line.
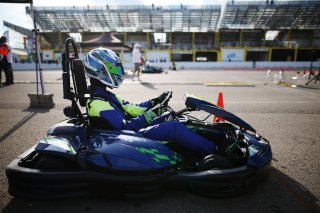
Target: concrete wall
<point>32,66</point>
<point>196,65</point>
<point>235,65</point>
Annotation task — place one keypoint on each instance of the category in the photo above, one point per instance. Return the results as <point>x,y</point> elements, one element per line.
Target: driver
<point>107,110</point>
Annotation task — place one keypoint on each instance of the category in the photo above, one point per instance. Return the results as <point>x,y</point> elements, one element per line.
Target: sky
<point>15,13</point>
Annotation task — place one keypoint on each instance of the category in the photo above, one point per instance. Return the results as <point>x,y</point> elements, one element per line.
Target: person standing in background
<point>1,67</point>
<point>268,77</point>
<point>5,51</point>
<point>3,59</point>
<point>9,58</point>
<point>136,59</point>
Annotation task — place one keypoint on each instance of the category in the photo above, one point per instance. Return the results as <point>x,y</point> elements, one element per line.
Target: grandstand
<point>279,15</point>
<point>128,19</point>
<point>243,32</point>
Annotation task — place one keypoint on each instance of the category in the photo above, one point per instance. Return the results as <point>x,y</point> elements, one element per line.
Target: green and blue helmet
<point>104,65</point>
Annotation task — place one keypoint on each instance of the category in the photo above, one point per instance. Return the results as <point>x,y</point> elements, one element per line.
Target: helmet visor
<point>115,75</point>
<point>115,68</point>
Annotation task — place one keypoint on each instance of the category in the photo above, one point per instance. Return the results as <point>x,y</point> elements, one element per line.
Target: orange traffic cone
<point>220,104</point>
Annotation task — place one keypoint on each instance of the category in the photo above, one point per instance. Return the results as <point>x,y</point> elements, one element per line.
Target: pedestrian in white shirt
<point>136,59</point>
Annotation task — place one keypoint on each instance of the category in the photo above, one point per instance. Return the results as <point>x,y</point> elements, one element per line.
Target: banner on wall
<point>232,54</point>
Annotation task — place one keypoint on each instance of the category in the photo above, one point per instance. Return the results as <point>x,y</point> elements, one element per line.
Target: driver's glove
<point>159,99</point>
<point>157,110</point>
<point>149,116</point>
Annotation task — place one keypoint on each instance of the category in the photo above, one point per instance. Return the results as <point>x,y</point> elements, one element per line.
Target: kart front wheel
<point>214,162</point>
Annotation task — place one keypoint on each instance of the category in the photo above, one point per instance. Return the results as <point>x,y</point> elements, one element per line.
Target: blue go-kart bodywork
<point>75,159</point>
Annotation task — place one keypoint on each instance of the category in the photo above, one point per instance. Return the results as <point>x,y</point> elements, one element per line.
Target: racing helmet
<point>104,65</point>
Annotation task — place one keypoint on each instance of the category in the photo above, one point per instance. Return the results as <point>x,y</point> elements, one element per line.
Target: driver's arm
<point>135,109</point>
<point>114,117</point>
<point>117,121</point>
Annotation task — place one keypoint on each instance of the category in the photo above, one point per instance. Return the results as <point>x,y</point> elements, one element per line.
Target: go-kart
<point>75,159</point>
<point>148,68</point>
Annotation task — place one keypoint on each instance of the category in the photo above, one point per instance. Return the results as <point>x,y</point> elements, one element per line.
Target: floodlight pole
<point>38,61</point>
<point>39,100</point>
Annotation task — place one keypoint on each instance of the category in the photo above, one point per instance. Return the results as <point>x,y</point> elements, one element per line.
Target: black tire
<point>214,162</point>
<point>215,190</point>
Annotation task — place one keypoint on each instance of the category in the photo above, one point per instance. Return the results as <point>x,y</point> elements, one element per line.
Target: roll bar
<point>68,65</point>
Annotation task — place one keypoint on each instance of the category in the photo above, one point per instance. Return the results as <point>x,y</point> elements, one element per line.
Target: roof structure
<point>107,40</point>
<point>272,15</point>
<point>127,18</point>
<point>18,29</point>
<point>268,14</point>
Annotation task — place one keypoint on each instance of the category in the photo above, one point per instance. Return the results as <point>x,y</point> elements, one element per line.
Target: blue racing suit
<point>118,114</point>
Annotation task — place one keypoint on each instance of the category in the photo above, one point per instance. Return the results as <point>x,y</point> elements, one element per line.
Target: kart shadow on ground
<point>291,189</point>
<point>148,85</point>
<point>312,87</point>
<point>279,193</point>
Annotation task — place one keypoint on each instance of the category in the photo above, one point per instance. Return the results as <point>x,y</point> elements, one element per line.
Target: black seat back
<point>79,81</point>
<point>77,93</point>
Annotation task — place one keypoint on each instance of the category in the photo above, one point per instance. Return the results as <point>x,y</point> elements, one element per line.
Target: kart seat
<point>80,83</point>
<point>79,90</point>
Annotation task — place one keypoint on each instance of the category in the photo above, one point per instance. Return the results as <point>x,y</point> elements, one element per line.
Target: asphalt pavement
<point>289,117</point>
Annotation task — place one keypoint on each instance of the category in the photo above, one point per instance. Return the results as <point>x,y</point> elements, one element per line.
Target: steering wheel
<point>163,106</point>
<point>166,99</point>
